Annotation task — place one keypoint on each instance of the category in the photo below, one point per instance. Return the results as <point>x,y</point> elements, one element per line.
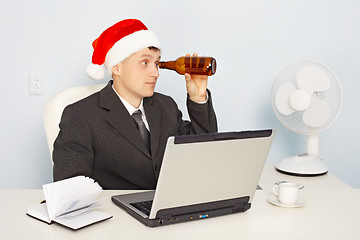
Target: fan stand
<point>308,164</point>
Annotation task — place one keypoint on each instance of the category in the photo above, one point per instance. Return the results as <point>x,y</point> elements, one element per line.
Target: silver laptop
<point>202,176</point>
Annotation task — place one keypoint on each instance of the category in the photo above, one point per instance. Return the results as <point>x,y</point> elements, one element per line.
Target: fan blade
<point>317,113</point>
<point>282,98</point>
<point>312,79</point>
<point>299,100</point>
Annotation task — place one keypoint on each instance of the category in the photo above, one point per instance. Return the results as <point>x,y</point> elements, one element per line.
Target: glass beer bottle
<point>191,65</point>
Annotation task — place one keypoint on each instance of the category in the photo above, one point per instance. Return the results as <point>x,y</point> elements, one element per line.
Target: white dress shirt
<point>131,109</point>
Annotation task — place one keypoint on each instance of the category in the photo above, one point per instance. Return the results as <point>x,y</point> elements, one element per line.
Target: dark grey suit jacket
<point>99,139</point>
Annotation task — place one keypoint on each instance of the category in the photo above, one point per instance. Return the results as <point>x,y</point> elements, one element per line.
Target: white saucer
<point>273,199</point>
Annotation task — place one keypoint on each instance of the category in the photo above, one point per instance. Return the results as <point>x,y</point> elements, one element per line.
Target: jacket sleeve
<point>202,116</point>
<point>73,152</point>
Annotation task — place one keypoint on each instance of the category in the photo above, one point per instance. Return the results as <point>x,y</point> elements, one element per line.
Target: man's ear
<point>116,69</point>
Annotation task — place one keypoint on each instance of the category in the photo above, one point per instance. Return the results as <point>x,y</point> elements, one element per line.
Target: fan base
<point>303,165</point>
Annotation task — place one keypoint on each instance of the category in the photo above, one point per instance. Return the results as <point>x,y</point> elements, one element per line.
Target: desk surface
<point>331,212</point>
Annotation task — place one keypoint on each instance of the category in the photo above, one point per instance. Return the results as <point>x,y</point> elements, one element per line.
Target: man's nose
<point>155,71</point>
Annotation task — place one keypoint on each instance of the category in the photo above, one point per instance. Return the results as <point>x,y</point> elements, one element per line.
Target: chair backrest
<point>55,105</point>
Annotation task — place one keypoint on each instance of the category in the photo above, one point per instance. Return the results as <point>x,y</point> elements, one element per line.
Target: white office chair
<point>55,105</point>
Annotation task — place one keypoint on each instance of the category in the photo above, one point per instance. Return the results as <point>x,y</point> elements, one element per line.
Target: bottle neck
<point>167,65</point>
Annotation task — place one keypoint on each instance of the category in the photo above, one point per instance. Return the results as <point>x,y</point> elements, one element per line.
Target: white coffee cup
<point>287,192</point>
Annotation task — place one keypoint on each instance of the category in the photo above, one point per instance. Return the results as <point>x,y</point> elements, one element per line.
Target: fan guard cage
<point>333,96</point>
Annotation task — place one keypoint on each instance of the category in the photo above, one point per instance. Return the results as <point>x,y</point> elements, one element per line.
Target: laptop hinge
<point>165,217</point>
<point>241,207</point>
<point>210,137</point>
<point>236,204</point>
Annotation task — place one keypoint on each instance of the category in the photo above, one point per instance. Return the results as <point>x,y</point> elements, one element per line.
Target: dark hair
<point>154,48</point>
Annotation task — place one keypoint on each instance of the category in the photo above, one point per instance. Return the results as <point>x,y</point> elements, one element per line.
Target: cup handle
<point>276,189</point>
<point>279,182</point>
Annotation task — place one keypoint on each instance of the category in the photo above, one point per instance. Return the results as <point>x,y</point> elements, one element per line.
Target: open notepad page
<point>40,212</point>
<point>82,219</point>
<point>74,220</point>
<point>69,195</point>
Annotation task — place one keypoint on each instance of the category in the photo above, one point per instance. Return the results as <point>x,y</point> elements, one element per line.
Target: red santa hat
<point>117,43</point>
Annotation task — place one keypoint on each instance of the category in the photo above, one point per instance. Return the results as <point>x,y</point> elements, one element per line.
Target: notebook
<point>202,176</point>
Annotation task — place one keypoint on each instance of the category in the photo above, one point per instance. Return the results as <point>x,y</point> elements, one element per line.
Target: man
<point>101,137</point>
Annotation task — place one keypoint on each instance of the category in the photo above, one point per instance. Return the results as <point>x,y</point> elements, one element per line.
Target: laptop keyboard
<point>144,207</point>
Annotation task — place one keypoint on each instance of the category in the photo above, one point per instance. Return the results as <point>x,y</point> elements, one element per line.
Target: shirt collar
<point>130,108</point>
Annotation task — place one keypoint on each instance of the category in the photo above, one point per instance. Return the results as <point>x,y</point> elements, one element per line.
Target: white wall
<point>251,40</point>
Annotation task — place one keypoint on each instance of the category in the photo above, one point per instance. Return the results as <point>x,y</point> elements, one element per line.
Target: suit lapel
<point>120,119</point>
<point>153,116</point>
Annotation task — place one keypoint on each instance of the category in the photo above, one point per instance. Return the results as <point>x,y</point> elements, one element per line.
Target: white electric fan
<point>306,97</point>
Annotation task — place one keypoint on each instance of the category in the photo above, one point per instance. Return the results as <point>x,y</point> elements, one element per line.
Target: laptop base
<point>186,213</point>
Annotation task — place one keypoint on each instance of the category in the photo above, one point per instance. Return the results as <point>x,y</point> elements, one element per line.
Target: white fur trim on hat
<point>95,72</point>
<point>129,45</point>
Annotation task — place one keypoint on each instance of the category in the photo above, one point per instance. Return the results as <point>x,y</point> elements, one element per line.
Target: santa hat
<point>117,43</point>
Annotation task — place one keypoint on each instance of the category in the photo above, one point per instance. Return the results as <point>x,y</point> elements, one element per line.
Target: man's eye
<point>144,63</point>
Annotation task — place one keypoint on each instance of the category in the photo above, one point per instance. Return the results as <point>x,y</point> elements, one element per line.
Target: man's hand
<point>196,85</point>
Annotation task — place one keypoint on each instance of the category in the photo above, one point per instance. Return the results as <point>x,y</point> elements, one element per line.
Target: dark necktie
<point>144,133</point>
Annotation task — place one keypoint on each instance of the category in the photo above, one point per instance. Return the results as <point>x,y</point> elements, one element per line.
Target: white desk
<point>328,181</point>
<point>332,212</point>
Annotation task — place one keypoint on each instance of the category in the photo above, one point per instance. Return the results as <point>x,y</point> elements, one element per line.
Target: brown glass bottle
<point>191,65</point>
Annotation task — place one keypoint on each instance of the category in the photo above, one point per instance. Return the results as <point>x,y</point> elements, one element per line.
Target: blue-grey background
<point>251,40</point>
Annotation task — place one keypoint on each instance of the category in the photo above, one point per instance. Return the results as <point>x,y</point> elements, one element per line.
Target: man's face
<point>138,75</point>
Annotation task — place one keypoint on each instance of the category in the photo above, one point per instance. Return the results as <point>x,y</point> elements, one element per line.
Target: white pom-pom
<point>95,72</point>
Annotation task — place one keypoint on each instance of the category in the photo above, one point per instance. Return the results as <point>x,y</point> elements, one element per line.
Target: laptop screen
<point>206,168</point>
